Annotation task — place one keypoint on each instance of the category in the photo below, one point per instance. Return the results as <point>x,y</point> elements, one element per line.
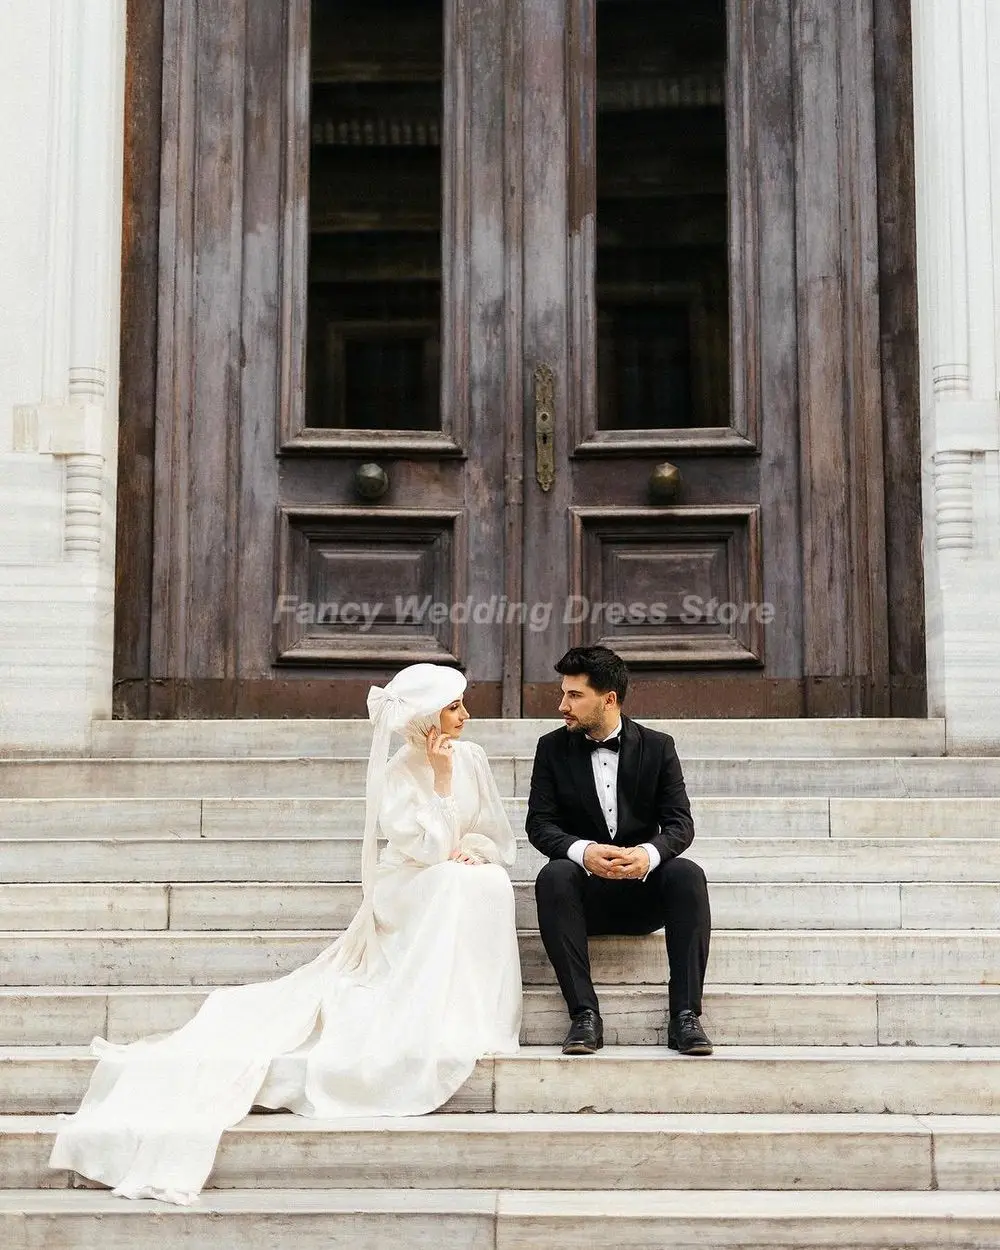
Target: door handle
<point>371,481</point>
<point>545,402</point>
<point>664,483</point>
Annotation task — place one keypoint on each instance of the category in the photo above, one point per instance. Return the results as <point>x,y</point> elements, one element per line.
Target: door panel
<point>706,306</point>
<point>642,577</point>
<point>337,216</point>
<point>358,587</point>
<point>653,237</point>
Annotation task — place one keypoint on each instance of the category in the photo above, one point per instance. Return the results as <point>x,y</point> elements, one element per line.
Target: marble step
<point>733,817</point>
<point>485,1219</point>
<point>313,905</point>
<point>319,858</point>
<point>634,1015</point>
<point>633,1080</point>
<point>343,777</point>
<point>574,1152</point>
<point>269,818</point>
<point>739,957</point>
<point>279,1219</point>
<point>269,738</point>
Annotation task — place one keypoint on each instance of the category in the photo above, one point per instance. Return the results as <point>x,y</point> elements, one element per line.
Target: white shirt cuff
<point>654,856</point>
<point>576,852</point>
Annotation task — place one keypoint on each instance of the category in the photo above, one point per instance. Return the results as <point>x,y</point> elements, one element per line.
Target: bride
<point>388,1021</point>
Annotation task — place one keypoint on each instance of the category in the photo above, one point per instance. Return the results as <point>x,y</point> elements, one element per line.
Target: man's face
<point>584,710</point>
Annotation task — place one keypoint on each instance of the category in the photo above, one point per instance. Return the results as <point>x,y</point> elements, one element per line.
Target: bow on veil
<point>420,690</point>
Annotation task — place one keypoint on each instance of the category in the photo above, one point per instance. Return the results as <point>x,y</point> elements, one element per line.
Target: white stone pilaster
<point>957,121</point>
<point>58,420</point>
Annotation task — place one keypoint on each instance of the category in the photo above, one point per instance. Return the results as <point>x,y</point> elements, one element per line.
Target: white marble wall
<point>957,118</point>
<point>61,127</point>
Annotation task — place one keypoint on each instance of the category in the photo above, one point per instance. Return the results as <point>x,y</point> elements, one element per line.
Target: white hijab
<point>410,705</point>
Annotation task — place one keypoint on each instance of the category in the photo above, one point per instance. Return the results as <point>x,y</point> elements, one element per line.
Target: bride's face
<point>453,718</point>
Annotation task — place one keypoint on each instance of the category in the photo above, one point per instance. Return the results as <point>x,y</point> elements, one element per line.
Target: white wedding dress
<point>389,1020</point>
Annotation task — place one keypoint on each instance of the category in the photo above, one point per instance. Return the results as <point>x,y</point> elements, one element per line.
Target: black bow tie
<point>609,744</point>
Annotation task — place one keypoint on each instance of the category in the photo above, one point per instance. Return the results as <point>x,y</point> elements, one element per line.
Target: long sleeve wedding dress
<point>389,1020</point>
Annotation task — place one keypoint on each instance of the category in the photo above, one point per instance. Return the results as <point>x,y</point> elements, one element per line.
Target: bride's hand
<point>460,857</point>
<point>440,758</point>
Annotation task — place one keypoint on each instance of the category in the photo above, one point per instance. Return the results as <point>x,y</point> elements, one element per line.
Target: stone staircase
<point>854,996</point>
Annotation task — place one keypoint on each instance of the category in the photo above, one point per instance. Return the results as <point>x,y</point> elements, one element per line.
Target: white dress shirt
<point>605,768</point>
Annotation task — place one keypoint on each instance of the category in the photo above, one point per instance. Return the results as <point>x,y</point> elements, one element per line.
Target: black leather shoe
<point>685,1034</point>
<point>586,1034</point>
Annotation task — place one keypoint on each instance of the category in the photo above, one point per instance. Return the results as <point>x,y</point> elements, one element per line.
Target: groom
<point>609,809</point>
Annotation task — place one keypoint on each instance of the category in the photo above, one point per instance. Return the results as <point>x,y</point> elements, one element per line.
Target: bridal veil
<point>321,1040</point>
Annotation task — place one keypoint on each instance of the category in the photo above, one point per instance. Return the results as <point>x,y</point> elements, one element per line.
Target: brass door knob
<point>371,481</point>
<point>665,483</point>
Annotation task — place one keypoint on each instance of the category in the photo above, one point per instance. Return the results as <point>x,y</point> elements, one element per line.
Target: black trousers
<point>573,906</point>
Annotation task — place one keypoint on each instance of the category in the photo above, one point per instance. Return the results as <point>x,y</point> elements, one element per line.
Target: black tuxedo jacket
<point>652,801</point>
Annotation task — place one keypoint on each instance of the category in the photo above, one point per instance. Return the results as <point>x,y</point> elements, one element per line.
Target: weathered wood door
<point>332,378</point>
<point>486,327</point>
<point>707,322</point>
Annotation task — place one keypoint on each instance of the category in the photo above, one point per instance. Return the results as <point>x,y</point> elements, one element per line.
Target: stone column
<point>957,121</point>
<point>61,126</point>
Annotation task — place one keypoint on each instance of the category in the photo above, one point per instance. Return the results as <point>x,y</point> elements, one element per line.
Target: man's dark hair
<point>600,665</point>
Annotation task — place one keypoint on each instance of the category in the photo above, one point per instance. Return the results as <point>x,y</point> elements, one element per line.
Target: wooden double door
<point>469,330</point>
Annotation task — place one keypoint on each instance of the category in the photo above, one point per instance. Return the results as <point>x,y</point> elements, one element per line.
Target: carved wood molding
<point>394,554</point>
<point>293,434</point>
<point>718,618</point>
<point>742,434</point>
